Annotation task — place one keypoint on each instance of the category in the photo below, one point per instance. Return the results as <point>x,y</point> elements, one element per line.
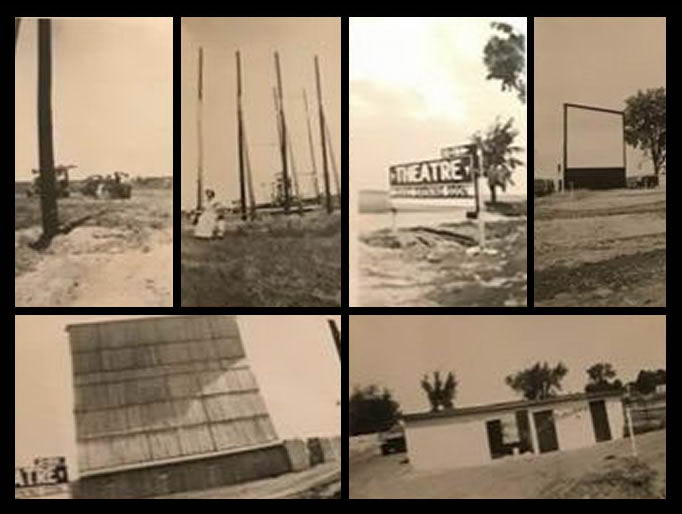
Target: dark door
<point>544,425</point>
<point>600,421</point>
<point>494,429</point>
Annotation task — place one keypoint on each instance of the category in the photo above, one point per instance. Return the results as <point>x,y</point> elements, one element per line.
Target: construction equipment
<point>115,186</point>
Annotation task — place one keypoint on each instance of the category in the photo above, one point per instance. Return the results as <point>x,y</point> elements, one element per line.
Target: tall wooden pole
<point>200,133</point>
<point>332,158</point>
<point>323,137</point>
<point>316,184</point>
<point>48,180</point>
<point>240,130</point>
<point>17,25</point>
<point>283,133</point>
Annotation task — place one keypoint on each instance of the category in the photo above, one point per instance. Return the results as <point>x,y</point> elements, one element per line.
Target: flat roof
<point>513,405</point>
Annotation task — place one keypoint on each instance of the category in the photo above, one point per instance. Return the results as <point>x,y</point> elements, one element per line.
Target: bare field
<point>119,254</point>
<point>277,262</point>
<point>437,265</point>
<point>606,470</point>
<point>600,248</point>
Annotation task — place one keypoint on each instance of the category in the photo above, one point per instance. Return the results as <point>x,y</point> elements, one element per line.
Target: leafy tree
<point>441,394</point>
<point>648,380</point>
<point>539,381</point>
<point>645,124</point>
<point>371,410</point>
<point>600,375</point>
<point>499,154</point>
<point>504,55</point>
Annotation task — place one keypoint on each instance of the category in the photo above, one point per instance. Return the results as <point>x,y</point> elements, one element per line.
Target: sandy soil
<point>603,248</point>
<point>441,265</point>
<point>123,258</point>
<point>606,470</point>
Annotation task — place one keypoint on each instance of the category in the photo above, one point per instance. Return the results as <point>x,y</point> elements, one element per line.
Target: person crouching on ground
<point>211,222</point>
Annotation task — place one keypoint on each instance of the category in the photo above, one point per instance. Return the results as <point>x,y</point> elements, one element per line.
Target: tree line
<point>373,409</point>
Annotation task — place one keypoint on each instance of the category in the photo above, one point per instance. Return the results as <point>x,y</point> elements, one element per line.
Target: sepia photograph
<point>561,407</point>
<point>93,167</point>
<point>261,150</point>
<point>437,171</point>
<point>600,162</point>
<point>177,407</point>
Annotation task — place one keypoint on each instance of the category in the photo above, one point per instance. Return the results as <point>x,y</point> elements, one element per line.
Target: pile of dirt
<point>444,266</point>
<point>628,478</point>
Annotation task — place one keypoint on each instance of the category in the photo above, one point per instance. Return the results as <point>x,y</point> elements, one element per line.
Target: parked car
<point>393,440</point>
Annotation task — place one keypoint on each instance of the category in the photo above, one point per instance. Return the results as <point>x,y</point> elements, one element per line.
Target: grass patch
<point>289,262</point>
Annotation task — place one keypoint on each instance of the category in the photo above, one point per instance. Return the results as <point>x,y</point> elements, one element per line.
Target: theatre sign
<point>46,478</point>
<point>451,176</point>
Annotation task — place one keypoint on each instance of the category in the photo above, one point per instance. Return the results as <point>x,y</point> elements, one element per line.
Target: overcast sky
<point>396,351</point>
<point>418,85</point>
<point>43,416</point>
<point>592,61</point>
<point>297,40</point>
<point>112,96</point>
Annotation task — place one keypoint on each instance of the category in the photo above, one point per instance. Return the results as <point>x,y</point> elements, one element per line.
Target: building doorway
<point>600,421</point>
<point>544,426</point>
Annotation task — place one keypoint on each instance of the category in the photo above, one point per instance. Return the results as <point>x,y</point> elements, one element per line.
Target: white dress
<point>208,221</point>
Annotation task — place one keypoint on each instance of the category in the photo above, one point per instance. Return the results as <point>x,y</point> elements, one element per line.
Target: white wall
<point>456,442</point>
<point>298,370</point>
<point>448,442</point>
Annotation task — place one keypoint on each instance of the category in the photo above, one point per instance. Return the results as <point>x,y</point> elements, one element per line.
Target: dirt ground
<point>442,265</point>
<point>606,470</point>
<point>600,248</point>
<point>122,256</point>
<point>274,262</point>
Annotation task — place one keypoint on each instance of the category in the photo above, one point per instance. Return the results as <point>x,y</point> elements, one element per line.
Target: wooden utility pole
<point>17,25</point>
<point>283,134</point>
<point>48,181</point>
<point>332,158</point>
<point>316,184</point>
<point>200,133</point>
<point>240,129</point>
<point>323,137</point>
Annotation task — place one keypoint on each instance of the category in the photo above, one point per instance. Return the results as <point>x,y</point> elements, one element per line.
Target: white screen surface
<point>595,139</point>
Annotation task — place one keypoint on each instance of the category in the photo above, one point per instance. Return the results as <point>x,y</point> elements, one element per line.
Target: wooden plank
<point>86,362</point>
<point>189,412</point>
<point>173,353</point>
<point>196,440</point>
<point>182,386</point>
<point>164,444</point>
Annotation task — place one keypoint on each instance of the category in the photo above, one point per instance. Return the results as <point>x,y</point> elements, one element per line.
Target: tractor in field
<point>62,174</point>
<point>110,186</point>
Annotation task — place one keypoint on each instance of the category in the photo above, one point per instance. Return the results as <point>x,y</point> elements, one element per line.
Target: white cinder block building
<point>474,436</point>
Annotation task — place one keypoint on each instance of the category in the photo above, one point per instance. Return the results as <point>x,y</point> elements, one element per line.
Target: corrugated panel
<point>83,338</point>
<point>101,423</point>
<point>212,382</point>
<point>239,379</point>
<point>183,386</point>
<point>164,444</point>
<point>229,406</point>
<point>117,359</point>
<point>196,440</point>
<point>173,329</point>
<point>145,391</point>
<point>189,412</point>
<point>158,415</point>
<point>202,350</point>
<point>86,362</point>
<point>129,449</point>
<point>173,353</point>
<point>224,326</point>
<point>229,347</point>
<point>99,453</point>
<point>199,328</point>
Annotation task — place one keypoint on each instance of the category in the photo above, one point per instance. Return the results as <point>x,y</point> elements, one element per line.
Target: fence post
<point>628,415</point>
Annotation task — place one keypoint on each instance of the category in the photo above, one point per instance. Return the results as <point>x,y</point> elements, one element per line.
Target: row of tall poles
<point>47,178</point>
<point>288,166</point>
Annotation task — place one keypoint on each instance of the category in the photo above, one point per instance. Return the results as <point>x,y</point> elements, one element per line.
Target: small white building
<point>474,436</point>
